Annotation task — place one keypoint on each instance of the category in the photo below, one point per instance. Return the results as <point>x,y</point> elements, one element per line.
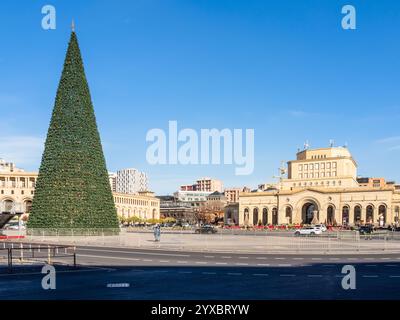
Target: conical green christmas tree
<point>73,189</point>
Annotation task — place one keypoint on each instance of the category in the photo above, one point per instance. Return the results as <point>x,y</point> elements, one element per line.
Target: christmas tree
<point>72,190</point>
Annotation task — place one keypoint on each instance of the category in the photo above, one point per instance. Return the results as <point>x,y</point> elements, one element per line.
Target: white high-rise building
<point>112,177</point>
<point>131,181</point>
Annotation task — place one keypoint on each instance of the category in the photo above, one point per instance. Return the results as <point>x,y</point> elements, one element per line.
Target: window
<point>328,174</point>
<point>306,175</point>
<point>311,175</point>
<point>306,167</point>
<point>322,174</point>
<point>328,165</point>
<point>333,164</point>
<point>317,166</point>
<point>300,167</point>
<point>317,175</point>
<point>311,166</point>
<point>300,175</point>
<point>322,165</point>
<point>334,173</point>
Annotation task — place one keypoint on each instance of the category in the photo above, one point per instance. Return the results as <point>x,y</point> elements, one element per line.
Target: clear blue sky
<point>285,68</point>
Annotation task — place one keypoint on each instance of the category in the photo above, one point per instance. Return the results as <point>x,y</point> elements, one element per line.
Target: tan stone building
<point>16,188</point>
<point>322,186</point>
<point>143,205</point>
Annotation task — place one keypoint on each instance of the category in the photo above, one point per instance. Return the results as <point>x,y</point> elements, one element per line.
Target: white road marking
<point>107,257</point>
<point>182,261</point>
<point>134,252</point>
<point>234,273</point>
<point>201,262</point>
<point>185,272</point>
<point>284,265</point>
<point>261,258</point>
<point>263,264</point>
<point>298,258</point>
<point>316,258</point>
<point>314,275</point>
<point>280,258</point>
<point>243,257</point>
<point>242,264</point>
<point>394,276</point>
<point>209,256</point>
<point>148,260</point>
<point>287,275</point>
<point>166,261</point>
<point>226,257</point>
<point>370,276</point>
<point>260,274</point>
<point>220,263</point>
<point>209,273</point>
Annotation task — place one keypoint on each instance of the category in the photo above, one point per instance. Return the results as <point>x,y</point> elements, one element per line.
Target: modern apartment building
<point>131,181</point>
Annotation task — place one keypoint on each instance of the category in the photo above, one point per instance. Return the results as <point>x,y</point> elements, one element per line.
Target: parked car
<point>321,226</point>
<point>308,231</point>
<point>205,229</point>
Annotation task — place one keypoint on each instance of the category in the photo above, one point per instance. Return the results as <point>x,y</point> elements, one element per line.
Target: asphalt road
<point>120,273</point>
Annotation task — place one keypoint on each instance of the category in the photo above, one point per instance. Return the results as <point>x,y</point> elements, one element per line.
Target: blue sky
<point>284,68</point>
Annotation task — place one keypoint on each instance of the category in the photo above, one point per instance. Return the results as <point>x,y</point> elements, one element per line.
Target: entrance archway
<point>330,216</point>
<point>345,215</point>
<point>382,215</point>
<point>288,215</point>
<point>309,212</point>
<point>246,216</point>
<point>265,216</point>
<point>369,215</point>
<point>357,215</point>
<point>274,216</point>
<point>255,216</point>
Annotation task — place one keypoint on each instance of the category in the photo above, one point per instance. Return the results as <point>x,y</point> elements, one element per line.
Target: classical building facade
<point>143,205</point>
<point>322,187</point>
<point>17,187</point>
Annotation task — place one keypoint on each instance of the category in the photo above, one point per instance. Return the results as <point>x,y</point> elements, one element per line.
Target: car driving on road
<point>205,229</point>
<point>308,231</point>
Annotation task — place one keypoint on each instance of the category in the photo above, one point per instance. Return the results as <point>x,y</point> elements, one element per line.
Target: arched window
<point>369,217</point>
<point>357,215</point>
<point>274,216</point>
<point>382,215</point>
<point>288,215</point>
<point>330,216</point>
<point>246,216</point>
<point>255,216</point>
<point>265,216</point>
<point>345,215</point>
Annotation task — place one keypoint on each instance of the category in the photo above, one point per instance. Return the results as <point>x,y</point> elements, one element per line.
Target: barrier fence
<point>257,241</point>
<point>35,253</point>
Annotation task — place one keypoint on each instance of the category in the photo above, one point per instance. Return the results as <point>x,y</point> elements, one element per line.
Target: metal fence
<point>23,253</point>
<point>252,241</point>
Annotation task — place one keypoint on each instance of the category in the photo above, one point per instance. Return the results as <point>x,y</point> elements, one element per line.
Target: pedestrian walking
<point>157,232</point>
